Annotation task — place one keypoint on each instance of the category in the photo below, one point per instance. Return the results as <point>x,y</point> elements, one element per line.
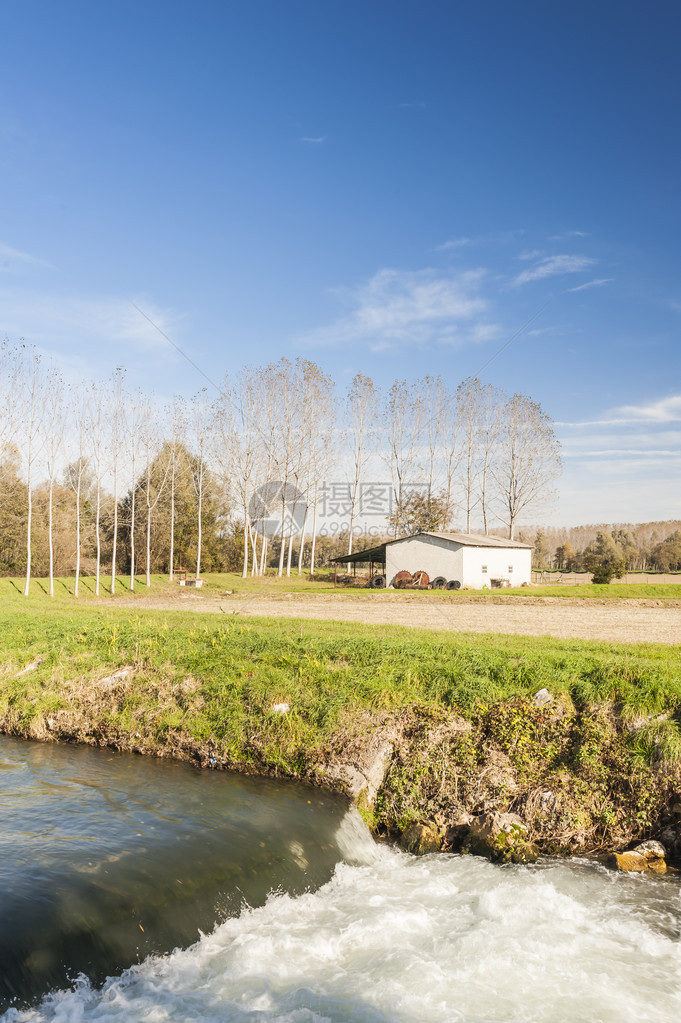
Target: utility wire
<point>512,338</point>
<point>176,347</point>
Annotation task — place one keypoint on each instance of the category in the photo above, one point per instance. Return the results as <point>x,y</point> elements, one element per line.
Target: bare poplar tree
<point>156,472</point>
<point>77,471</point>
<point>318,415</point>
<point>403,419</point>
<point>491,402</point>
<point>468,399</point>
<point>53,426</point>
<point>33,393</point>
<point>200,416</point>
<point>438,415</point>
<point>134,423</point>
<point>529,459</point>
<point>11,365</point>
<point>452,454</point>
<point>116,416</point>
<point>177,435</point>
<point>277,427</point>
<point>362,409</point>
<point>95,426</point>
<point>237,448</point>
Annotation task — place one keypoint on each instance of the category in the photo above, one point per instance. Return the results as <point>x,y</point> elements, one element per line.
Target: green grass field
<point>216,584</point>
<point>322,669</point>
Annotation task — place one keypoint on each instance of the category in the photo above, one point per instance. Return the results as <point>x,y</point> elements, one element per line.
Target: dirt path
<point>619,621</point>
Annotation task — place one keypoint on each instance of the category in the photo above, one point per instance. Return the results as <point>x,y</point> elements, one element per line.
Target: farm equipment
<point>412,581</point>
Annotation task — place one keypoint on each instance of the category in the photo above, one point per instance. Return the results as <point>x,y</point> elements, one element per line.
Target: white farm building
<point>454,560</point>
<point>471,560</point>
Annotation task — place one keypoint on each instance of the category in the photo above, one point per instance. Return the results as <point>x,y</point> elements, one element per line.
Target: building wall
<point>453,561</point>
<point>512,563</point>
<point>424,553</point>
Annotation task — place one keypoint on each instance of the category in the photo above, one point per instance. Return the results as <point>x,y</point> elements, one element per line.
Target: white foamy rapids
<point>405,940</point>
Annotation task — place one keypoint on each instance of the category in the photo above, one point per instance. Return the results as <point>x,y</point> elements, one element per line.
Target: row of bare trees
<point>111,447</point>
<point>481,457</point>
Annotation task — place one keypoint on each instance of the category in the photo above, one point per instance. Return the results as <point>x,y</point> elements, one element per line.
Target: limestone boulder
<point>500,837</point>
<point>421,838</point>
<point>648,857</point>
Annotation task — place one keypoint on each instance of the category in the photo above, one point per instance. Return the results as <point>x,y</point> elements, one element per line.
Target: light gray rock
<point>651,849</point>
<point>114,680</point>
<point>352,781</point>
<point>500,837</point>
<point>421,839</point>
<point>542,699</point>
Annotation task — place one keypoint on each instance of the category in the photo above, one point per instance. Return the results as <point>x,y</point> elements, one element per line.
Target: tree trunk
<point>132,538</point>
<point>78,538</point>
<point>254,546</point>
<point>314,533</point>
<point>244,571</point>
<point>49,535</point>
<point>148,541</point>
<point>290,551</point>
<point>199,538</point>
<point>302,544</point>
<point>172,523</point>
<point>115,539</point>
<point>99,538</point>
<point>29,522</point>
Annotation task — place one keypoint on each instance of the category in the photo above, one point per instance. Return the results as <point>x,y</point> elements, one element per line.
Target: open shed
<point>374,557</point>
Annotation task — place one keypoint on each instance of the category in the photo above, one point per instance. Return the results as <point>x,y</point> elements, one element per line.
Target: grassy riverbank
<point>456,710</point>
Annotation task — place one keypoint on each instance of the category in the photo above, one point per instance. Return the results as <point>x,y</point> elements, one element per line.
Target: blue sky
<point>389,187</point>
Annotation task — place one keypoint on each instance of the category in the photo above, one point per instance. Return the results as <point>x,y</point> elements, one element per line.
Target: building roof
<point>375,554</point>
<point>475,540</point>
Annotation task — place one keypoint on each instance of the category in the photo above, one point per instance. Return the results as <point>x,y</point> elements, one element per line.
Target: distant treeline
<point>637,547</point>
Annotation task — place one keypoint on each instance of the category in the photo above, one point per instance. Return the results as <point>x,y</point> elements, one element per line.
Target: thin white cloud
<point>9,257</point>
<point>411,307</point>
<point>568,234</point>
<point>593,284</point>
<point>553,266</point>
<point>416,104</point>
<point>655,413</point>
<point>453,243</point>
<point>664,410</point>
<point>641,457</point>
<point>314,140</point>
<point>85,326</point>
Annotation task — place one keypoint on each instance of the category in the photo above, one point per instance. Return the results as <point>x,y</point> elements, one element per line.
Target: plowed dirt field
<point>618,621</point>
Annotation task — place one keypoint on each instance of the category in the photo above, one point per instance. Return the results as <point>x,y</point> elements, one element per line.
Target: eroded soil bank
<point>510,780</point>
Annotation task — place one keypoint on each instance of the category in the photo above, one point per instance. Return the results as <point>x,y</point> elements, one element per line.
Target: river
<point>136,889</point>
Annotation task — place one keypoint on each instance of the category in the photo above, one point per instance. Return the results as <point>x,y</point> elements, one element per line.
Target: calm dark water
<point>106,858</point>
